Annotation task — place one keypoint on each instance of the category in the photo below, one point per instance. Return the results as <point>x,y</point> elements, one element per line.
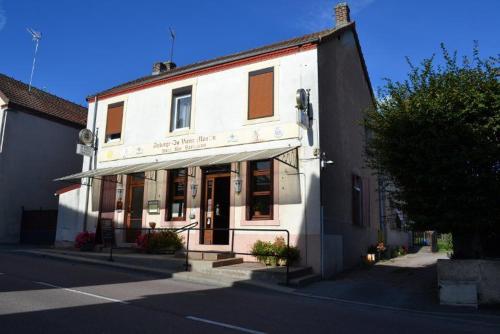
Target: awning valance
<point>207,160</point>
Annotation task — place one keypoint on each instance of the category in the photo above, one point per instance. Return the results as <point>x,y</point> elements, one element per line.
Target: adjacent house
<point>38,133</point>
<point>262,140</point>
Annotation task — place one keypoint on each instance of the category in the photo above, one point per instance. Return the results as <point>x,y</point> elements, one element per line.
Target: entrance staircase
<point>224,266</point>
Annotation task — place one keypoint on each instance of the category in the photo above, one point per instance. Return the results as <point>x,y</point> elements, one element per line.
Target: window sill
<point>113,142</point>
<point>260,222</point>
<point>254,121</point>
<point>180,132</point>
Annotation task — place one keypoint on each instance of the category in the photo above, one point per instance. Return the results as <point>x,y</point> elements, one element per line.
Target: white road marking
<point>82,293</point>
<point>221,324</point>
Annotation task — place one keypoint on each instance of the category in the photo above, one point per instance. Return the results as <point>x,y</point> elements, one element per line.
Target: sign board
<point>193,142</point>
<point>154,207</point>
<point>84,150</point>
<point>107,232</point>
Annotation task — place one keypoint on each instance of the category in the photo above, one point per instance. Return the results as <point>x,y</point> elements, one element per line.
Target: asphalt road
<point>39,295</point>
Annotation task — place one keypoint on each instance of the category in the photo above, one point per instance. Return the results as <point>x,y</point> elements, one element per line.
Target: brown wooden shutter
<point>261,94</point>
<point>114,119</point>
<point>108,196</point>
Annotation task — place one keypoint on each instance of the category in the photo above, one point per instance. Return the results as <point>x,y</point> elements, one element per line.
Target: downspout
<point>87,196</point>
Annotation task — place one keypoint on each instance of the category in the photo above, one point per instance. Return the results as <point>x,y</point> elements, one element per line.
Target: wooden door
<point>216,209</point>
<point>134,206</point>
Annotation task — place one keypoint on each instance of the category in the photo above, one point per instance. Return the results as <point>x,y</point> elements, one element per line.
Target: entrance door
<point>216,209</point>
<point>134,206</point>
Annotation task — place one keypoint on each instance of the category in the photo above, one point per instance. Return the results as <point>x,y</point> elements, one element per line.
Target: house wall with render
<point>344,95</point>
<point>35,151</point>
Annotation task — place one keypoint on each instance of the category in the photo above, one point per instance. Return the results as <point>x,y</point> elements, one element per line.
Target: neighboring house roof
<point>42,103</point>
<point>66,189</point>
<point>183,70</point>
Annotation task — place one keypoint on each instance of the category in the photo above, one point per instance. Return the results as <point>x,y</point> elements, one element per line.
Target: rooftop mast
<point>37,36</point>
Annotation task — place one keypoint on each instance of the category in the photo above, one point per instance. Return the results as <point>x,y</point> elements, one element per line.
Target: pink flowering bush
<point>84,238</point>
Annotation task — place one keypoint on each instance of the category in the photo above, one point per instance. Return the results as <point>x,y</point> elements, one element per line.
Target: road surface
<point>39,295</point>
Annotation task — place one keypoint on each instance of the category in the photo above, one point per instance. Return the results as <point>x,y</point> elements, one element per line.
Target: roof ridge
<point>41,91</point>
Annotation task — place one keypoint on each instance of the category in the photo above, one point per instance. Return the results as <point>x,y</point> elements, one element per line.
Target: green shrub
<point>160,242</point>
<point>275,253</point>
<point>445,243</point>
<point>262,250</point>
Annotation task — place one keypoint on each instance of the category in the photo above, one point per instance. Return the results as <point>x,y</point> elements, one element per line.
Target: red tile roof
<point>38,101</point>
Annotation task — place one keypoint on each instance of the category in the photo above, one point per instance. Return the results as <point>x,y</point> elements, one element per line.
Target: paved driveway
<point>408,281</point>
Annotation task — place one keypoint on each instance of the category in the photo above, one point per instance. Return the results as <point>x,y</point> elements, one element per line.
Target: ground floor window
<point>176,194</point>
<point>260,190</point>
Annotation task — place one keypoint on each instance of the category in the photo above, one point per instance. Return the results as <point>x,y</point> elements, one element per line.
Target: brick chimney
<point>161,67</point>
<point>342,16</point>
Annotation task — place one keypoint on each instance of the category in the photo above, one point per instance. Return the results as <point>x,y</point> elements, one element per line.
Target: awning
<point>207,160</point>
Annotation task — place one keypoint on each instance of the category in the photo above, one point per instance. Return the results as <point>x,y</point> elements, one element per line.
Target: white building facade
<point>223,144</point>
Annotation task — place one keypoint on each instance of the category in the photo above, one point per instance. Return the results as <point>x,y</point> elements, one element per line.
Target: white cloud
<point>3,16</point>
<point>320,14</point>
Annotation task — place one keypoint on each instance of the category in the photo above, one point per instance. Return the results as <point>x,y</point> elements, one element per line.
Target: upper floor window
<point>114,120</point>
<point>261,93</point>
<point>360,201</point>
<point>181,109</point>
<point>176,194</point>
<point>260,190</point>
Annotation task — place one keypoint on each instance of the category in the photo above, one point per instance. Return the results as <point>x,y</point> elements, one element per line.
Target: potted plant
<point>263,251</point>
<point>380,250</point>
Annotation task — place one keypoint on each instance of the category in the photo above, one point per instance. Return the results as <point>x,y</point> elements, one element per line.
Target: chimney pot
<point>342,16</point>
<point>161,67</point>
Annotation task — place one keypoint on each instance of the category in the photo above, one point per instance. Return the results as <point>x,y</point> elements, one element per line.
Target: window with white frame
<point>181,109</point>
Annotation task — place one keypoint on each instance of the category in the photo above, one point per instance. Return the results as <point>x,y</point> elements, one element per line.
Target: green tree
<point>436,136</point>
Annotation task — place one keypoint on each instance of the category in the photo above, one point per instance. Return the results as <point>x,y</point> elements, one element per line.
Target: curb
<point>78,259</point>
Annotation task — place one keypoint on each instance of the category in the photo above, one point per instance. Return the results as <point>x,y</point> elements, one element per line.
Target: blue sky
<point>91,45</point>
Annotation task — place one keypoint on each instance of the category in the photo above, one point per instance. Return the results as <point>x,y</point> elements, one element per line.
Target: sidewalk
<point>408,282</point>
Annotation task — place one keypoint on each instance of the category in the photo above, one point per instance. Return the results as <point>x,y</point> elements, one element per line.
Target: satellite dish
<point>86,137</point>
<point>301,98</point>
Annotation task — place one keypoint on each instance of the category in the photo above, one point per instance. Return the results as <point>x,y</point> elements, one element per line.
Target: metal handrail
<point>186,227</point>
<point>191,227</point>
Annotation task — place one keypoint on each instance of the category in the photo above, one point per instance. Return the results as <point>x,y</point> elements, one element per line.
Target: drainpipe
<point>87,195</point>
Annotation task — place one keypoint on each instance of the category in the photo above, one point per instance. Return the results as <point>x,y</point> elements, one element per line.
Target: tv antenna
<point>172,35</point>
<point>37,36</point>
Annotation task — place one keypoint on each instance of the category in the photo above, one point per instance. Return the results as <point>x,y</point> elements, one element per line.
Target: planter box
<point>469,282</point>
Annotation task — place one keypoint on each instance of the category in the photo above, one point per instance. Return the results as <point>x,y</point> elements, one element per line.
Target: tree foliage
<point>436,136</point>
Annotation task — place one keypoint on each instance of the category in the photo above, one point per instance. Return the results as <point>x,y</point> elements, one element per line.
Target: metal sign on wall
<point>84,150</point>
<point>200,142</point>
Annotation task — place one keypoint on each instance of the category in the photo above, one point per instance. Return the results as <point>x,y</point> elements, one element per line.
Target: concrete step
<point>304,280</point>
<point>208,256</point>
<point>248,271</point>
<point>205,266</point>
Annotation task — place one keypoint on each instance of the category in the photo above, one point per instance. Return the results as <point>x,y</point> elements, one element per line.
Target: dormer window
<point>114,121</point>
<point>181,109</point>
